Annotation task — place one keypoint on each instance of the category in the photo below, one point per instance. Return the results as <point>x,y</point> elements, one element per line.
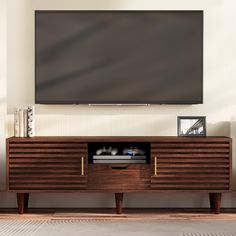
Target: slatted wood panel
<point>46,165</point>
<point>120,177</point>
<point>191,164</point>
<point>54,164</point>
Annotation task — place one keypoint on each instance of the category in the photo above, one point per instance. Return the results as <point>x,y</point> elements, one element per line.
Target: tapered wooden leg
<point>119,202</point>
<point>211,199</point>
<point>22,201</point>
<point>215,202</point>
<point>26,201</point>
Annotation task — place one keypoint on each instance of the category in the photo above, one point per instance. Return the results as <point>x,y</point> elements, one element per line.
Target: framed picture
<point>191,125</point>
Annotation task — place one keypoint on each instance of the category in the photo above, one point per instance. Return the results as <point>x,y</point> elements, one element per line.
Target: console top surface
<point>119,138</point>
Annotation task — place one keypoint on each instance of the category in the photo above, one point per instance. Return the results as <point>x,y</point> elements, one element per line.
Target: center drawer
<point>119,176</point>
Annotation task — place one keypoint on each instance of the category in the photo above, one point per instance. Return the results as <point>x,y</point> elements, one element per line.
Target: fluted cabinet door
<point>47,165</point>
<point>191,164</point>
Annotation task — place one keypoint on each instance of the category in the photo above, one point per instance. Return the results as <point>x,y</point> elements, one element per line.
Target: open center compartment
<point>119,152</point>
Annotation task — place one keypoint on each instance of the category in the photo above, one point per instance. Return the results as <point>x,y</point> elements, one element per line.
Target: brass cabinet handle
<point>82,165</point>
<point>155,165</point>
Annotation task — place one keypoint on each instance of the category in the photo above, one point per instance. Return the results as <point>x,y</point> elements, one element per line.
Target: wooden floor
<point>109,214</point>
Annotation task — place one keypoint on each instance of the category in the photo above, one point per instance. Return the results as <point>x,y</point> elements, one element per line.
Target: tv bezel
<point>57,102</point>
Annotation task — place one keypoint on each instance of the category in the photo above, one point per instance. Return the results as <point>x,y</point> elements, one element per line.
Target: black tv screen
<point>119,57</point>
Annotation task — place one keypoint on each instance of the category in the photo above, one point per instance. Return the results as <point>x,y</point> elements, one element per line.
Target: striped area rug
<point>20,227</point>
<point>208,234</point>
<point>116,228</point>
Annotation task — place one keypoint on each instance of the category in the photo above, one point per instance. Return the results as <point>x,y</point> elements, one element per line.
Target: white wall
<point>219,93</point>
<point>3,97</point>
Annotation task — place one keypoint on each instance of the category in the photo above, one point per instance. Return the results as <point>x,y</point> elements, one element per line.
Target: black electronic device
<point>119,57</point>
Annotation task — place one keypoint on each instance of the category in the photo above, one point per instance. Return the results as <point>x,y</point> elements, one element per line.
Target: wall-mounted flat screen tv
<point>119,57</point>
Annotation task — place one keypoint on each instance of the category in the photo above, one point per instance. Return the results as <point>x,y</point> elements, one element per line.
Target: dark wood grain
<point>211,201</point>
<point>22,201</point>
<point>215,202</point>
<point>29,162</point>
<point>193,164</point>
<point>26,201</point>
<point>119,202</point>
<point>54,164</point>
<point>107,176</point>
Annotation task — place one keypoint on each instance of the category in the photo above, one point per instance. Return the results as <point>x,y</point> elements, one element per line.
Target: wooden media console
<point>65,164</point>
